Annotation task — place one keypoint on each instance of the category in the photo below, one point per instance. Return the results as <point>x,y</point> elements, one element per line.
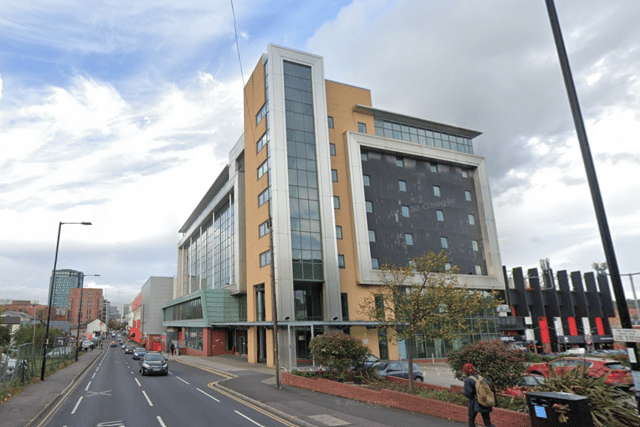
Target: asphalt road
<point>112,393</point>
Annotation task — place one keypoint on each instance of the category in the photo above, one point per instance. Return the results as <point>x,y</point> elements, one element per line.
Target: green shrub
<point>496,361</point>
<point>610,407</point>
<point>337,351</point>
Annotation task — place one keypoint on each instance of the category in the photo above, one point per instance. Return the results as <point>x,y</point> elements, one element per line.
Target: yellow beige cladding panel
<point>254,98</point>
<point>341,100</point>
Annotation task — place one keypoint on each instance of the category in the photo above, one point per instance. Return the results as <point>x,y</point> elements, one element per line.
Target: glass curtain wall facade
<point>422,136</point>
<point>210,256</point>
<point>303,177</point>
<point>223,246</point>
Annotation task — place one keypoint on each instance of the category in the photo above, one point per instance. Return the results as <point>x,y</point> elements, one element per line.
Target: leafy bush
<point>337,351</point>
<point>610,407</point>
<point>494,360</point>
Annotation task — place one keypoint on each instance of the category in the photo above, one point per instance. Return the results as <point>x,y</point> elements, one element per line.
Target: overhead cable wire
<point>235,29</point>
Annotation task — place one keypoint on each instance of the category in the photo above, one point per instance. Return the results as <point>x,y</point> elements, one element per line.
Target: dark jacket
<point>470,393</point>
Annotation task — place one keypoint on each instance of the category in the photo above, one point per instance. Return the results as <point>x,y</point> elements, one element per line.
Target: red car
<point>616,373</point>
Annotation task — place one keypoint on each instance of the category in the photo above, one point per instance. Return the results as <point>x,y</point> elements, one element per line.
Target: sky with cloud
<point>123,115</point>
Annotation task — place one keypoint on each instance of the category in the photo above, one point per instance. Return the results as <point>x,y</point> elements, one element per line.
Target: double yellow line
<point>251,405</point>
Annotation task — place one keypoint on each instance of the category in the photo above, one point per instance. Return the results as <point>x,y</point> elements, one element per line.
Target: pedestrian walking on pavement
<point>470,392</point>
<point>173,349</point>
<point>178,350</point>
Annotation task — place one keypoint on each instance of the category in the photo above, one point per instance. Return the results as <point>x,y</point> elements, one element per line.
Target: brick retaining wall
<point>407,402</point>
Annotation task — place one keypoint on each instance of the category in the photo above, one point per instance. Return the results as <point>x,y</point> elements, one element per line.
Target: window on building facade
<point>334,175</point>
<point>332,149</point>
<point>364,157</point>
<point>262,113</point>
<point>339,232</point>
<point>408,239</point>
<point>263,168</point>
<point>444,242</point>
<point>372,235</point>
<point>369,206</point>
<point>474,245</point>
<point>402,185</point>
<point>405,211</point>
<point>472,219</point>
<point>400,162</point>
<point>465,173</point>
<point>263,197</point>
<point>422,136</point>
<point>366,179</point>
<point>362,127</point>
<point>262,142</point>
<point>336,202</point>
<point>375,264</point>
<point>340,261</point>
<point>467,195</point>
<point>265,258</point>
<point>440,215</point>
<point>434,167</point>
<point>344,304</point>
<point>330,122</point>
<point>264,228</point>
<point>436,190</point>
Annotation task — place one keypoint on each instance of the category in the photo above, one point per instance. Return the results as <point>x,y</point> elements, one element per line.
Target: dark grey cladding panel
<point>390,225</point>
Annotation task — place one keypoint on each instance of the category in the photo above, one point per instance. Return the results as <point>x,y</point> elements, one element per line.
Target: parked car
<point>527,383</point>
<point>60,352</point>
<point>154,363</point>
<point>367,362</point>
<point>616,373</point>
<point>87,345</point>
<point>7,366</point>
<point>139,352</point>
<point>129,349</point>
<point>114,344</point>
<point>398,369</point>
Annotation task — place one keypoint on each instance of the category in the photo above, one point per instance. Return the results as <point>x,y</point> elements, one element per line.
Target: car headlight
<point>144,365</point>
<point>165,366</point>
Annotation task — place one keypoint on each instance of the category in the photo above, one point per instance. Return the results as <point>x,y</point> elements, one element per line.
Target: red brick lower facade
<point>450,411</point>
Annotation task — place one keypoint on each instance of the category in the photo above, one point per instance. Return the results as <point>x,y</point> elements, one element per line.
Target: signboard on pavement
<point>626,335</point>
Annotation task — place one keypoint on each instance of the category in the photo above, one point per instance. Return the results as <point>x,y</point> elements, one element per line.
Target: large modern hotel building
<point>320,191</point>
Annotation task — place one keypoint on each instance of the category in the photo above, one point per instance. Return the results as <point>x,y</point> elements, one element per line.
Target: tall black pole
<point>605,234</point>
<point>53,284</point>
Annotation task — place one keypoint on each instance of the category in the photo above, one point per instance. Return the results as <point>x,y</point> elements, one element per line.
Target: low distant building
<point>147,308</point>
<point>96,328</point>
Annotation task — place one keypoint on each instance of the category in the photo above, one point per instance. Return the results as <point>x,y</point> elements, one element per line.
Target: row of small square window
<point>409,241</point>
<point>362,127</point>
<point>375,265</point>
<point>265,259</point>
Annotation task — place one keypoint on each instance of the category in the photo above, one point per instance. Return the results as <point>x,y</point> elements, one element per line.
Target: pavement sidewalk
<point>27,408</point>
<point>256,384</point>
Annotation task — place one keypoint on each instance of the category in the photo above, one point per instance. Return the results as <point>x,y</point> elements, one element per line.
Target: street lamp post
<point>53,284</point>
<point>80,312</point>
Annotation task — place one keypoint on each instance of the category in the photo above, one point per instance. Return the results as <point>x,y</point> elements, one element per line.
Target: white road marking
<point>208,395</point>
<point>148,400</point>
<point>87,386</point>
<point>93,376</point>
<point>247,418</point>
<point>76,407</point>
<point>139,385</point>
<point>183,381</point>
<point>160,421</point>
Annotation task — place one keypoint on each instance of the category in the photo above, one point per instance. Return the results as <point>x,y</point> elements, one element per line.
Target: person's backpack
<point>483,392</point>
